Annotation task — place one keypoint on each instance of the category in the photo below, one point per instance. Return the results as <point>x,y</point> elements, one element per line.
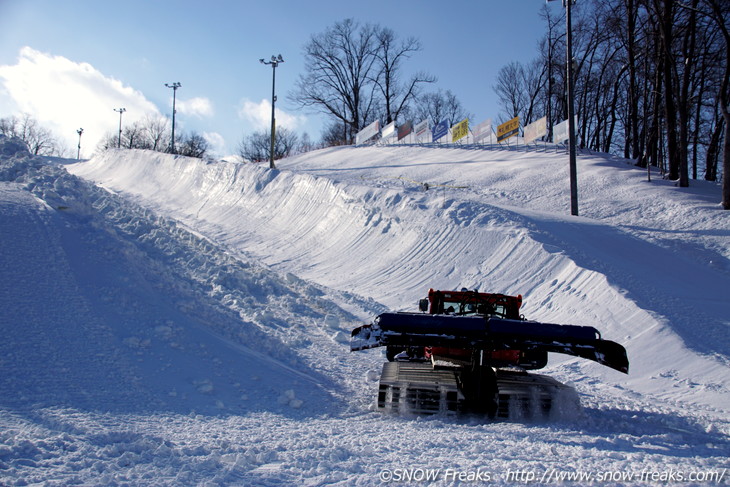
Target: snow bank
<point>392,222</point>
<point>127,311</point>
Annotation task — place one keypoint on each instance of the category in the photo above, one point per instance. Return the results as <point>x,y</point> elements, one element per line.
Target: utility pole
<point>550,81</point>
<point>275,60</point>
<point>569,66</point>
<point>571,111</point>
<point>78,153</point>
<point>119,140</point>
<point>174,87</point>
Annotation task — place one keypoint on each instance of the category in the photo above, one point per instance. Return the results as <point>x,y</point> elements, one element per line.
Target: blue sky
<point>71,63</point>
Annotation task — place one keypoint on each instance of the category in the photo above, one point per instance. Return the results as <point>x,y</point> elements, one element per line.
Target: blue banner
<point>441,129</point>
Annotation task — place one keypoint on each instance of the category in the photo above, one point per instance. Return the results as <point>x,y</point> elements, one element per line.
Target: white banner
<point>560,131</point>
<point>388,130</point>
<point>421,129</point>
<point>483,130</point>
<point>535,130</point>
<point>367,133</point>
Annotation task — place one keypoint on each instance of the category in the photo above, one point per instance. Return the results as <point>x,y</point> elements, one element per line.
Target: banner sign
<point>388,130</point>
<point>405,129</point>
<point>535,130</point>
<point>508,129</point>
<point>560,131</point>
<point>460,130</point>
<point>367,133</point>
<point>441,129</point>
<point>483,130</point>
<point>421,129</point>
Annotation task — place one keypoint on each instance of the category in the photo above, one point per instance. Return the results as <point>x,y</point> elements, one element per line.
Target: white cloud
<point>259,115</point>
<point>216,141</point>
<point>199,107</point>
<point>64,96</point>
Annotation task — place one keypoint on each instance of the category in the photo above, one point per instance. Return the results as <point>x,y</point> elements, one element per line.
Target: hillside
<point>644,261</point>
<point>170,320</point>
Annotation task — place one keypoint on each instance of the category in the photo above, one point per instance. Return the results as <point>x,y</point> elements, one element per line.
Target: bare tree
<point>157,131</point>
<point>550,57</point>
<point>664,10</point>
<point>192,145</point>
<point>519,87</point>
<point>133,137</point>
<point>354,75</point>
<point>438,106</point>
<point>719,12</point>
<point>510,89</point>
<point>340,65</point>
<point>257,146</point>
<point>153,133</point>
<point>651,82</point>
<point>40,140</point>
<point>391,54</point>
<point>335,134</point>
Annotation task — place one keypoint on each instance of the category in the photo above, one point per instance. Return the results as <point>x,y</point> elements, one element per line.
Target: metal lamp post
<point>119,140</point>
<point>571,108</point>
<point>78,153</point>
<point>174,87</point>
<point>571,112</point>
<point>275,60</point>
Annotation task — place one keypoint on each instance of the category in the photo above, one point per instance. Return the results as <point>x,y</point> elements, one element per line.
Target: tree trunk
<point>633,102</point>
<point>665,11</point>
<point>683,108</point>
<point>713,149</point>
<point>726,149</point>
<point>723,98</point>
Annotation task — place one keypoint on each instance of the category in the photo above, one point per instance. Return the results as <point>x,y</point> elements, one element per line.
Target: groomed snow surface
<point>174,321</point>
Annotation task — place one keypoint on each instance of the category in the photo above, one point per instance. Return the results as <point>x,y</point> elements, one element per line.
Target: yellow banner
<point>508,129</point>
<point>460,130</point>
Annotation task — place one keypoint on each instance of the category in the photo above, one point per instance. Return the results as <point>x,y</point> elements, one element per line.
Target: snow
<point>176,321</point>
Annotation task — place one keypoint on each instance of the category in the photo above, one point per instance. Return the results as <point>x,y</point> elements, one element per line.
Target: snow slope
<point>185,322</point>
<point>360,220</point>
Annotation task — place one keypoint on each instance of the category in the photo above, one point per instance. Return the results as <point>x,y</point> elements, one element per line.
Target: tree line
<point>40,140</point>
<point>154,133</point>
<point>354,75</point>
<point>652,83</point>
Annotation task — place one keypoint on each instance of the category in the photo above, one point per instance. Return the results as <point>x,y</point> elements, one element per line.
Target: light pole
<point>571,112</point>
<point>78,154</point>
<point>174,87</point>
<point>120,110</point>
<point>275,60</point>
<point>571,108</point>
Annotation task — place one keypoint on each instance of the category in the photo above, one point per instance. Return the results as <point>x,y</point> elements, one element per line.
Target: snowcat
<point>470,352</point>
